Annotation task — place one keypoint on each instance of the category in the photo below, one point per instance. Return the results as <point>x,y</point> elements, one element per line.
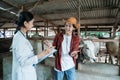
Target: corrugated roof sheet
<point>105,10</point>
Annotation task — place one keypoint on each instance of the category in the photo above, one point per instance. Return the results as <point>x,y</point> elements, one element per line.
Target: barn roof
<point>93,14</point>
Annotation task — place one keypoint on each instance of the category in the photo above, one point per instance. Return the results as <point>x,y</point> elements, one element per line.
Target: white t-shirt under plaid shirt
<point>66,60</point>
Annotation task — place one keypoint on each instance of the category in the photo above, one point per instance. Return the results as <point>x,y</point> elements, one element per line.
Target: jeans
<point>69,74</point>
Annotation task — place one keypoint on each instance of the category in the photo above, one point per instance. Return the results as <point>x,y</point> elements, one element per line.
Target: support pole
<point>86,27</point>
<point>113,32</point>
<point>78,15</point>
<point>36,30</point>
<point>46,29</point>
<point>78,30</point>
<point>4,32</point>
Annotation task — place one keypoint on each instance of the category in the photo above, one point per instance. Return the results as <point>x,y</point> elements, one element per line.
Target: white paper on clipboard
<point>44,57</point>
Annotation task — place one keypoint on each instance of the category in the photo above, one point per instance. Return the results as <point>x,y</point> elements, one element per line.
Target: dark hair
<point>74,26</point>
<point>24,16</point>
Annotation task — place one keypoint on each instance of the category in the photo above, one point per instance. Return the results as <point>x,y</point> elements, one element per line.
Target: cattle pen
<point>99,33</point>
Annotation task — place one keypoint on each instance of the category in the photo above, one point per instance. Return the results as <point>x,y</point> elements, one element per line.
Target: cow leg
<point>92,56</point>
<point>118,60</point>
<point>99,58</point>
<point>106,58</point>
<point>112,59</point>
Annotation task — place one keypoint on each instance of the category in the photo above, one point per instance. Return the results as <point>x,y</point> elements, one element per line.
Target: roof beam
<point>63,25</point>
<point>95,29</point>
<point>98,21</point>
<point>60,19</point>
<point>89,22</point>
<point>6,21</point>
<point>108,24</point>
<point>41,18</point>
<point>10,19</point>
<point>50,22</point>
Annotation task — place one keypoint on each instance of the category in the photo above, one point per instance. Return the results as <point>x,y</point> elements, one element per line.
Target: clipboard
<point>44,57</point>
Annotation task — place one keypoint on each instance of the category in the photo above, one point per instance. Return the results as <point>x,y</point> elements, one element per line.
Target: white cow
<point>91,49</point>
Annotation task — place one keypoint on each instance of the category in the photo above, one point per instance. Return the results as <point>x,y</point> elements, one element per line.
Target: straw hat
<point>73,21</point>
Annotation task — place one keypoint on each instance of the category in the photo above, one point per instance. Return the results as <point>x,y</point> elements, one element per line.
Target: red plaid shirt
<point>74,46</point>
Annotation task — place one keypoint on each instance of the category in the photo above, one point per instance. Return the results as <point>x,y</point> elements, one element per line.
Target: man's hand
<point>74,53</point>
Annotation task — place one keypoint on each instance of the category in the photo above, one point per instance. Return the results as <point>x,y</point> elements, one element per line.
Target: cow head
<point>82,57</point>
<point>87,51</point>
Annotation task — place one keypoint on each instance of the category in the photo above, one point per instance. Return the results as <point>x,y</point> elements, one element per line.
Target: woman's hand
<point>49,49</point>
<point>48,43</point>
<point>45,52</point>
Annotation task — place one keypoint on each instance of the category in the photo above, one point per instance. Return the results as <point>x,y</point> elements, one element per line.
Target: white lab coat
<point>23,59</point>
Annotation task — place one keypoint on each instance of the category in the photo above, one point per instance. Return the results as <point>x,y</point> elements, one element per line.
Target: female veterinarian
<point>24,59</point>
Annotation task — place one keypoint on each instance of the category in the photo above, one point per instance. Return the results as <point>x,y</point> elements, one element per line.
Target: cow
<point>89,50</point>
<point>113,49</point>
